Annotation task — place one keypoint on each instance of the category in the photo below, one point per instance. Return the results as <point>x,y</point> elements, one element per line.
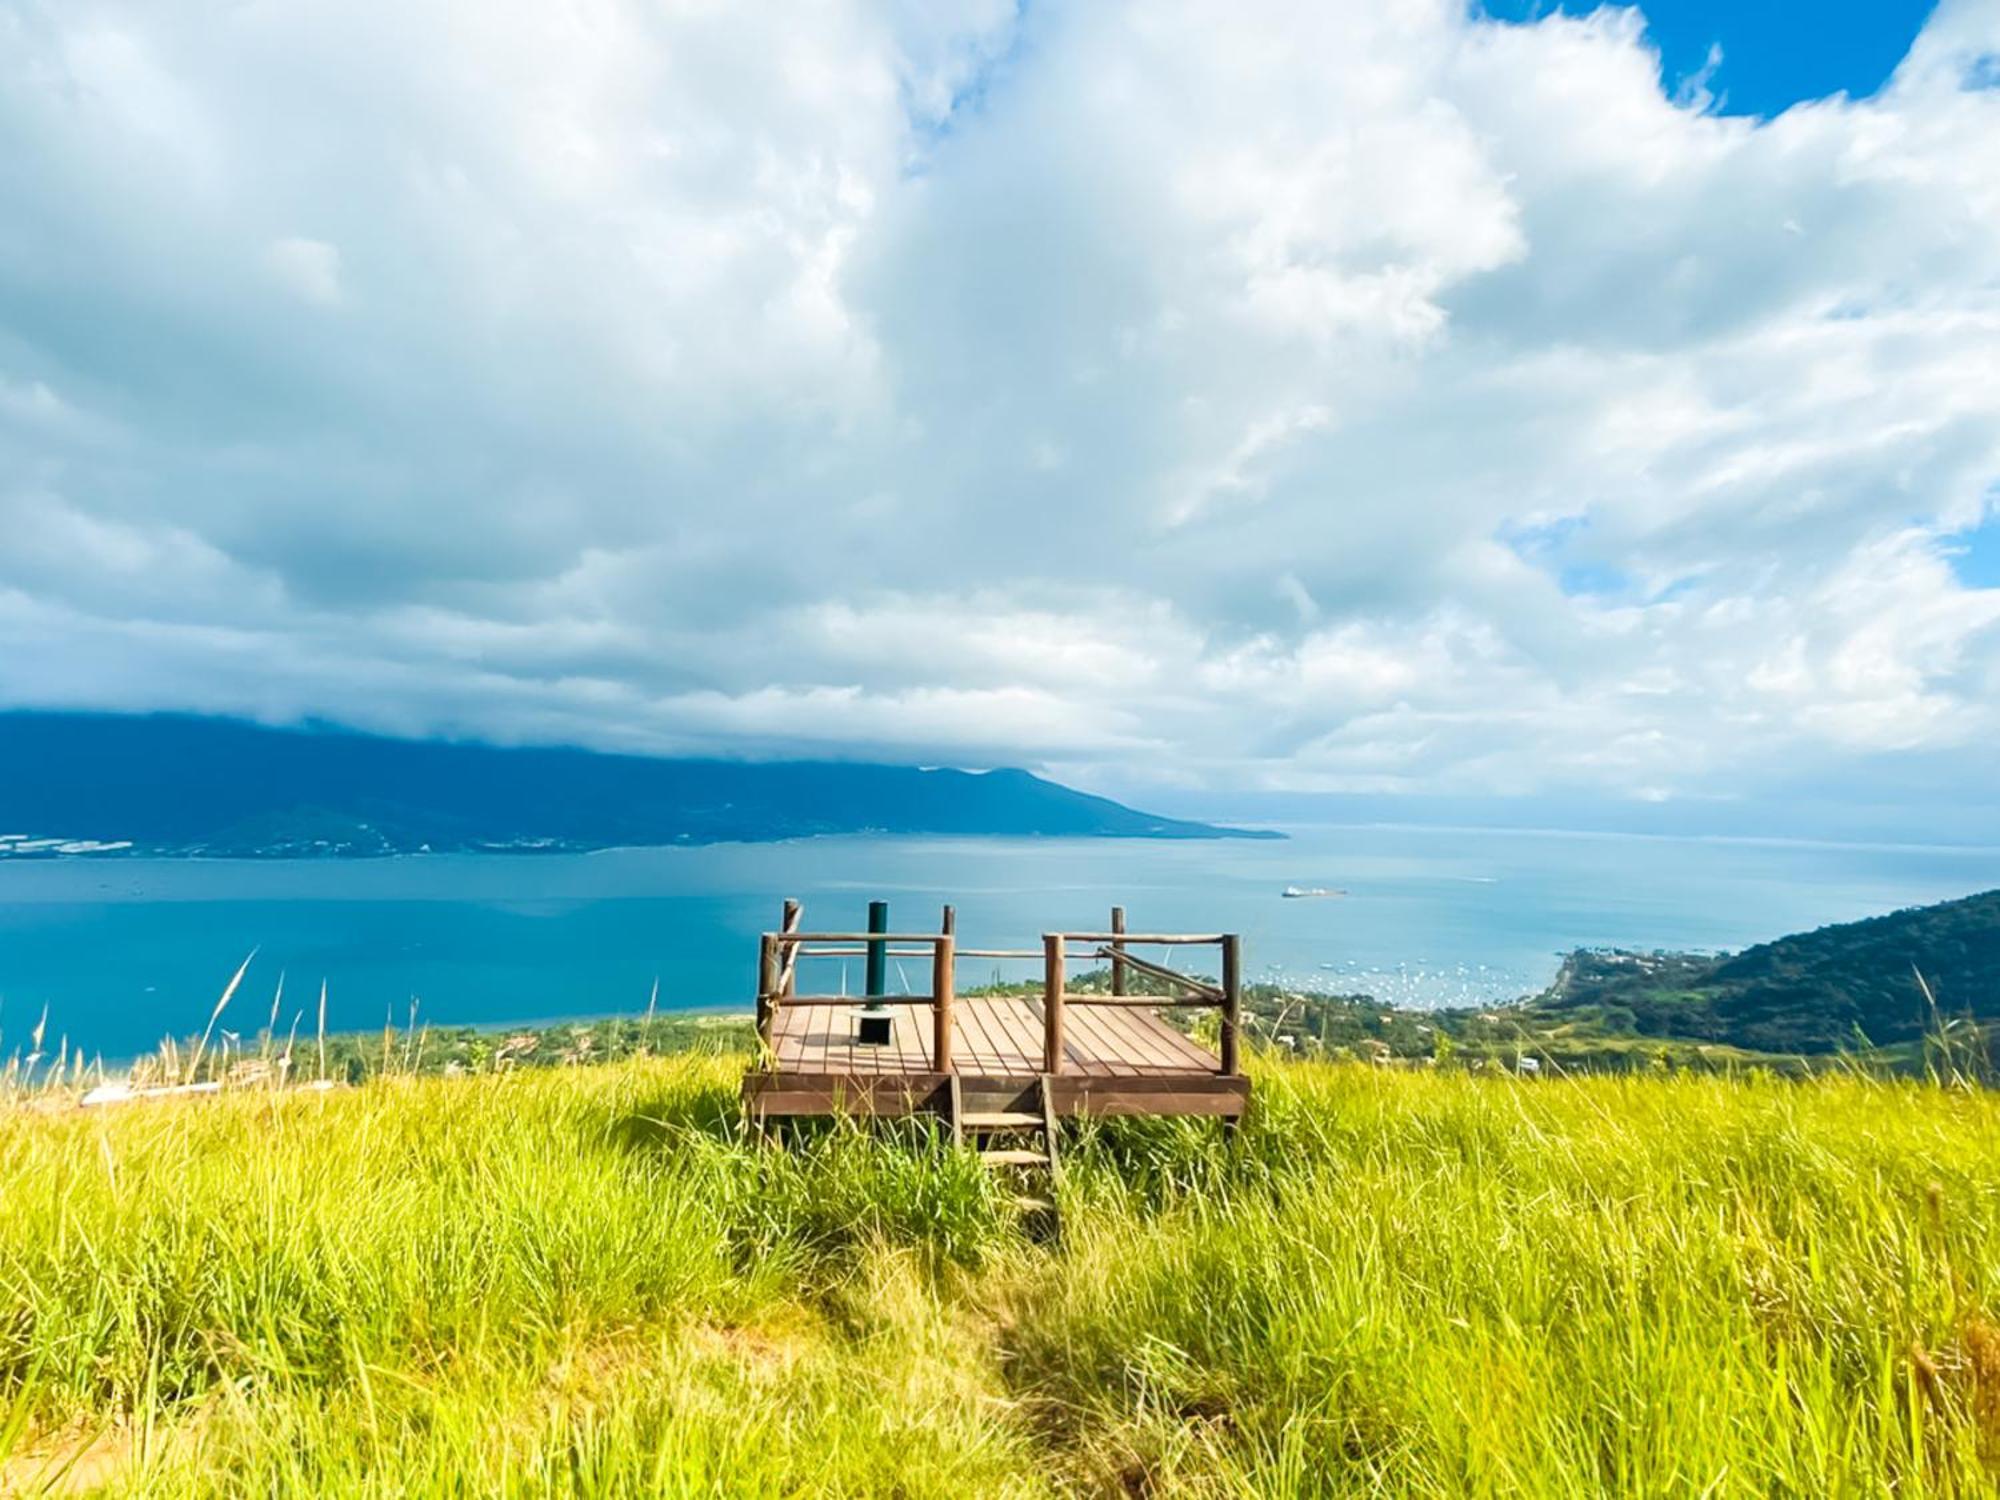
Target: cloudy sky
<point>1189,399</point>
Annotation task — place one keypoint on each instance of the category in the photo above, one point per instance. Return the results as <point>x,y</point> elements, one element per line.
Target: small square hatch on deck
<point>872,1027</point>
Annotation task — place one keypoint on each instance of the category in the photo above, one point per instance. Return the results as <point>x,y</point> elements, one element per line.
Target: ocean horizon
<point>118,953</point>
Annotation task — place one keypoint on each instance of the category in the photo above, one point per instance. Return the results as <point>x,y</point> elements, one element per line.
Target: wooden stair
<point>1014,1131</point>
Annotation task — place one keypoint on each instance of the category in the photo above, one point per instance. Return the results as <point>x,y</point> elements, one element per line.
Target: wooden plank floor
<point>994,1038</point>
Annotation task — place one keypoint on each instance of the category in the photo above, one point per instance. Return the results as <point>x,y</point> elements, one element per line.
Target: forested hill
<point>1812,992</point>
<point>173,784</point>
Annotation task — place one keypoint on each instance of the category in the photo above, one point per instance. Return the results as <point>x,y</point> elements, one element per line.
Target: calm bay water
<point>122,952</point>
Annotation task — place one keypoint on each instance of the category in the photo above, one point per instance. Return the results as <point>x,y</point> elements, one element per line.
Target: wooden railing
<point>1112,948</point>
<point>777,977</point>
<point>780,952</point>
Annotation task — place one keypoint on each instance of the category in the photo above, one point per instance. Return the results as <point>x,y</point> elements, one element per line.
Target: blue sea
<point>120,952</point>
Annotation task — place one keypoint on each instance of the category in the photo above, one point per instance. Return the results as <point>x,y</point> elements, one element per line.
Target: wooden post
<point>944,985</point>
<point>941,997</point>
<point>789,923</point>
<point>767,990</point>
<point>1232,1000</point>
<point>1117,951</point>
<point>1052,1002</point>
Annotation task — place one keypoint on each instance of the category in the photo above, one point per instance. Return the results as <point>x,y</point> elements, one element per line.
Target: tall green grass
<point>589,1281</point>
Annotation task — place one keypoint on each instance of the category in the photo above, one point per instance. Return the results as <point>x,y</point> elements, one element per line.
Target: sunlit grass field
<point>589,1281</point>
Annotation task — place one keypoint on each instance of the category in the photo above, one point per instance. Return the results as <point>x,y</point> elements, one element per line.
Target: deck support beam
<point>780,1096</point>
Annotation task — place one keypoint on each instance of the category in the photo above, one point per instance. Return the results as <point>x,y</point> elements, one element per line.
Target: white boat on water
<point>1306,892</point>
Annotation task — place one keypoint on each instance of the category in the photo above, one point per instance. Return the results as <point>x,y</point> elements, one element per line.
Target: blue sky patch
<point>1774,53</point>
<point>1552,547</point>
<point>1978,554</point>
<point>1596,580</point>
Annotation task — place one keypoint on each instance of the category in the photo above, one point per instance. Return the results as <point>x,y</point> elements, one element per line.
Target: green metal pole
<point>878,953</point>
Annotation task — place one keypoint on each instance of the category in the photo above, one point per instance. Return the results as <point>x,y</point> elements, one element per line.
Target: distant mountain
<point>1812,992</point>
<point>176,784</point>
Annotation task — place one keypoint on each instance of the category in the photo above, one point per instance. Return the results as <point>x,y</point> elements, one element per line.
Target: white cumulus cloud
<point>311,268</point>
<point>1342,398</point>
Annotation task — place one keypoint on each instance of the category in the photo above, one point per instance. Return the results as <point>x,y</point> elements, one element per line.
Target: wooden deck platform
<point>1078,1053</point>
<point>991,1038</point>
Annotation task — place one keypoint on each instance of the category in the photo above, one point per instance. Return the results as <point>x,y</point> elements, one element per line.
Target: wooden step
<point>1014,1158</point>
<point>985,1101</point>
<point>1001,1119</point>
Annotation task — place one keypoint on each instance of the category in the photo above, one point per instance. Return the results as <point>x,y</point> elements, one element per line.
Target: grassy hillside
<point>1837,987</point>
<point>583,1281</point>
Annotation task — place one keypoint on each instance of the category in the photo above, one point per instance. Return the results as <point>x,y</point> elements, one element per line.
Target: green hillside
<point>1813,992</point>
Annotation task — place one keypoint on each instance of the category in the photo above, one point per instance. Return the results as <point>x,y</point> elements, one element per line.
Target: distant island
<point>101,785</point>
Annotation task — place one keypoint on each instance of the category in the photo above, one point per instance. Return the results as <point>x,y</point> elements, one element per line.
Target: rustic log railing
<point>780,953</point>
<point>1112,948</point>
<point>777,977</point>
